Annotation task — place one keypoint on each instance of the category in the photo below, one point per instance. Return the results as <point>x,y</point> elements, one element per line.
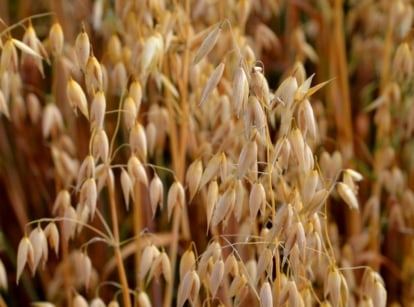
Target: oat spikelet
<point>147,258</point>
<point>69,226</point>
<point>138,141</point>
<point>82,48</point>
<point>135,92</point>
<point>216,277</point>
<point>185,288</point>
<point>100,146</point>
<point>151,55</point>
<point>265,263</point>
<point>130,112</point>
<point>212,196</point>
<point>310,184</point>
<point>212,82</point>
<point>333,286</point>
<point>98,109</point>
<point>89,195</point>
<point>241,200</point>
<point>347,195</point>
<point>56,39</point>
<point>79,301</point>
<point>52,121</point>
<point>156,194</point>
<point>52,235</point>
<point>237,285</point>
<point>193,177</point>
<point>224,206</point>
<point>96,302</point>
<point>61,202</point>
<point>259,85</point>
<point>38,240</point>
<point>257,200</point>
<point>176,197</point>
<point>208,43</point>
<point>137,171</point>
<point>93,75</point>
<point>166,267</point>
<point>187,262</point>
<point>143,300</point>
<point>86,170</point>
<point>211,170</point>
<point>9,59</point>
<point>25,254</point>
<point>240,90</point>
<point>231,266</point>
<point>247,158</point>
<point>76,97</point>
<point>266,297</point>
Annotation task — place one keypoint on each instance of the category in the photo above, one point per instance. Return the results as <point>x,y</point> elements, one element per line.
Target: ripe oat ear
<point>76,97</point>
<point>82,48</point>
<point>212,82</point>
<point>208,44</point>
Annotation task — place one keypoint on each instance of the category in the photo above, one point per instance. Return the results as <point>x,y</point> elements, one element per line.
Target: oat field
<point>207,153</point>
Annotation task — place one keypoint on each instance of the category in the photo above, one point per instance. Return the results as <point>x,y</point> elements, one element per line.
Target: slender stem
<point>115,231</point>
<point>376,187</point>
<point>180,213</point>
<point>137,216</point>
<point>342,75</point>
<point>184,120</point>
<point>386,55</point>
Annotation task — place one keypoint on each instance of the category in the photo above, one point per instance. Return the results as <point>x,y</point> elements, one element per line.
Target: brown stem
<point>137,212</point>
<point>115,231</point>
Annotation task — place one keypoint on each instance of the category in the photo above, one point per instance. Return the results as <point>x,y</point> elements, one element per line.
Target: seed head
<point>89,195</point>
<point>347,195</point>
<point>52,235</point>
<point>52,122</point>
<point>137,171</point>
<point>259,85</point>
<point>127,187</point>
<point>212,82</point>
<point>193,177</point>
<point>212,196</point>
<point>266,297</point>
<point>138,141</point>
<point>82,48</point>
<point>257,200</point>
<point>224,206</point>
<point>208,43</point>
<point>240,90</point>
<point>156,194</point>
<point>143,300</point>
<point>100,146</point>
<point>9,59</point>
<point>38,240</point>
<point>176,197</point>
<point>93,75</point>
<point>56,39</point>
<point>187,262</point>
<point>25,254</point>
<point>216,277</point>
<point>76,97</point>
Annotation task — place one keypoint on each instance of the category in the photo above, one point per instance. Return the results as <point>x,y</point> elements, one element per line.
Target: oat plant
<point>206,153</point>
